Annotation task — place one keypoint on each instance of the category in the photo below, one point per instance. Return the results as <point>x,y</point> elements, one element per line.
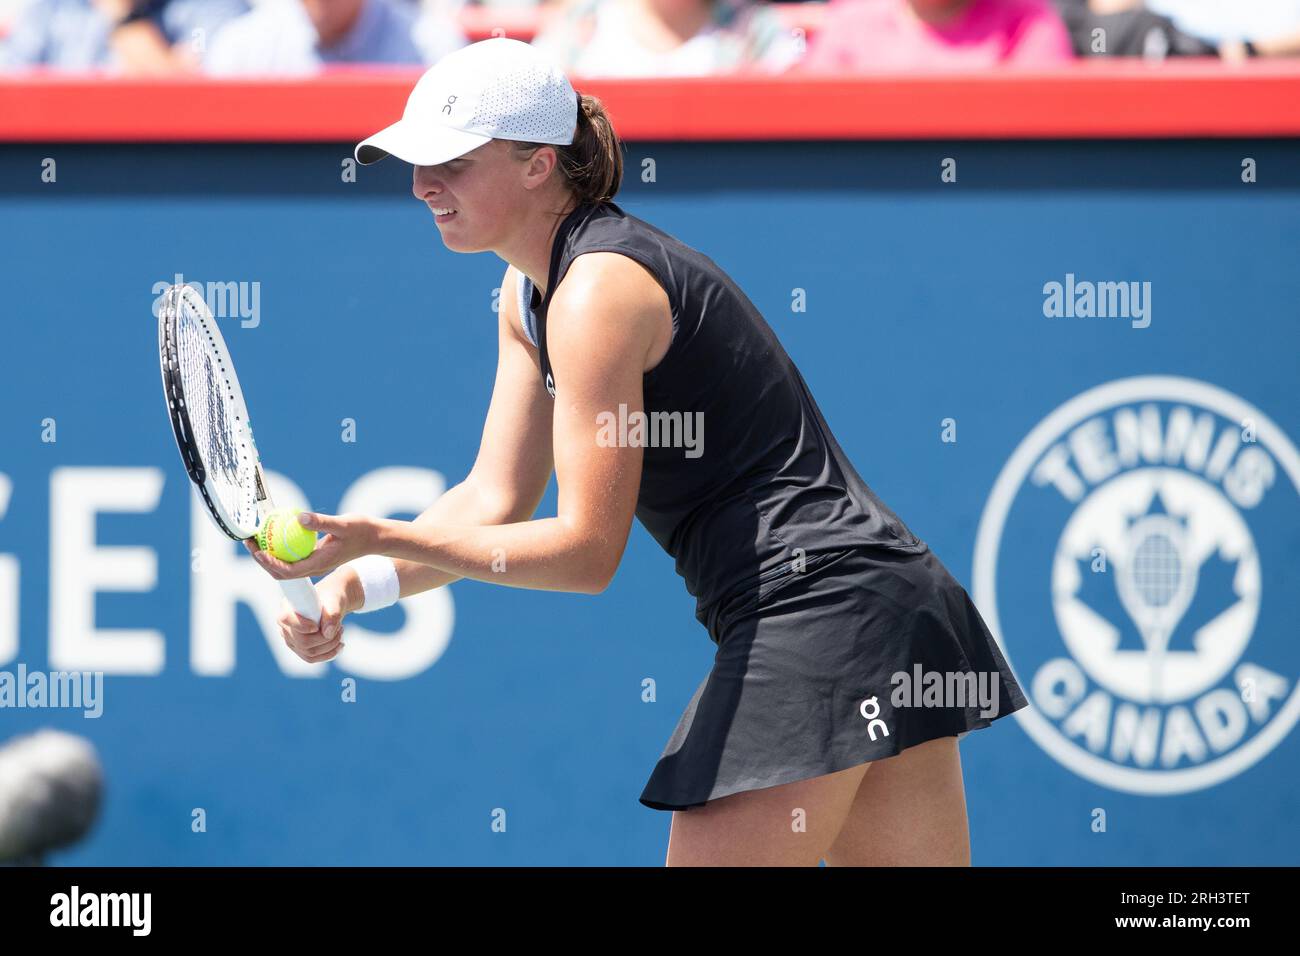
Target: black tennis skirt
<point>808,676</point>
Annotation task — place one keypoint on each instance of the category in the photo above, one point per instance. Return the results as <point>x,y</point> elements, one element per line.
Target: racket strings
<point>1157,570</point>
<point>216,426</point>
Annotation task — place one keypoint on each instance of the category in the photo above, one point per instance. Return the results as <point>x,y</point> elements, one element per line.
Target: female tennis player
<point>796,746</point>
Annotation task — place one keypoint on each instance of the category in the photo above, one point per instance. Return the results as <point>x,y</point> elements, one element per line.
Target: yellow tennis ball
<point>284,537</point>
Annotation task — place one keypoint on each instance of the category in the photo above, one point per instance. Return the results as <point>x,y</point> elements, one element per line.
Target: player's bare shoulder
<point>621,286</point>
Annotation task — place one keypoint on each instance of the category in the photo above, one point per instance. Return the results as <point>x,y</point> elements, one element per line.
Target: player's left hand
<point>345,537</point>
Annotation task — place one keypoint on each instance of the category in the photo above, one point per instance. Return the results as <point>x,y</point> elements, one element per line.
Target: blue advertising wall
<point>1020,445</point>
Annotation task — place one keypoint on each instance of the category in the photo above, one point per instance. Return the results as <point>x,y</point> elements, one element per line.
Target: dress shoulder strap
<point>526,317</point>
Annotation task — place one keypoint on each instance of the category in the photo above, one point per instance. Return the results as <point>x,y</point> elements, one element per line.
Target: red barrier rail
<point>1088,99</point>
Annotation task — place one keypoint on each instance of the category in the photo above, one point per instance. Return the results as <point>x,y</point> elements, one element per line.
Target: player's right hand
<point>316,641</point>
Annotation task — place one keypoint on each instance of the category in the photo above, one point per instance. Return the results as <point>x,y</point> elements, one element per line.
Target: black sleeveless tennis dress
<point>840,636</point>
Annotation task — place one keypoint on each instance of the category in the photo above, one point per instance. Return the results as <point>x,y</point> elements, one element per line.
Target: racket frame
<point>300,592</point>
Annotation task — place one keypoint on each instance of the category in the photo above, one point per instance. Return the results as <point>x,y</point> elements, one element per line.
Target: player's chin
<point>455,238</point>
<point>457,243</point>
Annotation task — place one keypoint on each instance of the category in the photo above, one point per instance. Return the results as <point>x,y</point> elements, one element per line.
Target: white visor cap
<point>494,89</point>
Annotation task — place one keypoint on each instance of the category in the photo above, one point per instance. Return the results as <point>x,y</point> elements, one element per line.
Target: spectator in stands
<point>299,37</point>
<point>936,34</point>
<point>1126,28</point>
<point>667,38</point>
<point>500,4</point>
<point>156,37</point>
<point>1238,29</point>
<point>1159,28</point>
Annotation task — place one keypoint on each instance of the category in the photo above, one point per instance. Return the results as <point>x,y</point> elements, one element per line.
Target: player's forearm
<point>547,554</point>
<point>462,504</point>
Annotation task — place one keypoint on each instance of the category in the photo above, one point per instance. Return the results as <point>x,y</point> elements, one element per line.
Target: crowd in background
<point>633,38</point>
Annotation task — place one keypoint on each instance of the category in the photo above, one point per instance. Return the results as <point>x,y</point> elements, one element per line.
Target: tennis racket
<point>210,422</point>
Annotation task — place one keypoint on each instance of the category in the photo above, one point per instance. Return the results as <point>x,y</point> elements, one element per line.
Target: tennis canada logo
<point>1122,560</point>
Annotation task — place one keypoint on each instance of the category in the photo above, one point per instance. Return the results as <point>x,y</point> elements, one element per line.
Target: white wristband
<point>379,581</point>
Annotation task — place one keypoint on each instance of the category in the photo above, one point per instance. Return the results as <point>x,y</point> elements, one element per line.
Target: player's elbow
<point>599,582</point>
<point>594,551</point>
<point>598,574</point>
<point>600,564</point>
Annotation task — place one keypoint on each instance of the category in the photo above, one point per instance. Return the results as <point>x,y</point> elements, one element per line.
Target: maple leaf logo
<point>1154,595</point>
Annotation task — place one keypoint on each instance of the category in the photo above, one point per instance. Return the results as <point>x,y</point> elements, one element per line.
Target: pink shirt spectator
<point>888,35</point>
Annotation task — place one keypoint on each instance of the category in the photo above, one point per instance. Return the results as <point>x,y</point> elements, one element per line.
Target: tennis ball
<point>284,537</point>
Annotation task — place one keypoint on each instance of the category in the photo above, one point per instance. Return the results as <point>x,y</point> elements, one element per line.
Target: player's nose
<point>425,183</point>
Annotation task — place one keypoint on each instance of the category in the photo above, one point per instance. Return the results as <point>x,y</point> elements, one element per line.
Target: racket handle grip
<point>301,593</point>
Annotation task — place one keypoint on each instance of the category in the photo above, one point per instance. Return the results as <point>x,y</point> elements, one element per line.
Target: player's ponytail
<point>592,165</point>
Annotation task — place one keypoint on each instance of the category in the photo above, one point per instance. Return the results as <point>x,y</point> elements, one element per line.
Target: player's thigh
<point>787,825</point>
<point>909,811</point>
